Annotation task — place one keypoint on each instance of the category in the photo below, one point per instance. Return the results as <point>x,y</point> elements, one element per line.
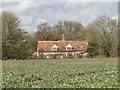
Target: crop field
<point>61,73</point>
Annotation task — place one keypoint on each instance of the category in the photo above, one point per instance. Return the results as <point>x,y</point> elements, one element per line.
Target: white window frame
<point>54,47</point>
<point>69,47</point>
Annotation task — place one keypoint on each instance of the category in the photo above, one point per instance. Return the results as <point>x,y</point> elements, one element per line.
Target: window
<point>84,46</point>
<point>69,47</point>
<point>78,46</point>
<point>54,48</point>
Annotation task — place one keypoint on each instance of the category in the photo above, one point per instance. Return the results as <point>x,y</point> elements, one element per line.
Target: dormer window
<point>54,48</point>
<point>84,46</point>
<point>69,47</point>
<point>86,43</point>
<point>78,46</point>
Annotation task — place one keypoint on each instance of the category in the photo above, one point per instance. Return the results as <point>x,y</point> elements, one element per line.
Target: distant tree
<point>44,32</point>
<point>0,37</point>
<point>13,37</point>
<point>78,31</point>
<point>72,30</point>
<point>103,31</point>
<point>57,31</point>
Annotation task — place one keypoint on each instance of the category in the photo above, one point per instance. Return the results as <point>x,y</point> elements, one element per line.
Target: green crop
<point>61,73</point>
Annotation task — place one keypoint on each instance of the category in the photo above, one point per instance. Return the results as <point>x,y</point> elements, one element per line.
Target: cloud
<point>35,30</point>
<point>92,0</point>
<point>26,20</point>
<point>65,16</point>
<point>20,7</point>
<point>33,13</point>
<point>115,17</point>
<point>28,29</point>
<point>23,6</point>
<point>62,0</point>
<point>40,20</point>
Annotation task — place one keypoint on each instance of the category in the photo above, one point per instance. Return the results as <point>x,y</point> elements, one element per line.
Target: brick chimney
<point>86,40</point>
<point>63,37</point>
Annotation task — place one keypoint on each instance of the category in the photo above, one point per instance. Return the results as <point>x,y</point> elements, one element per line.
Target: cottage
<point>61,48</point>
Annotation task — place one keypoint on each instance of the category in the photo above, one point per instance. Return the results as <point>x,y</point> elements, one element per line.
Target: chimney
<point>63,37</point>
<point>86,40</point>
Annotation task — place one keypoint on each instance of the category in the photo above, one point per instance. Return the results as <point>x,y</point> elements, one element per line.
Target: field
<point>61,73</point>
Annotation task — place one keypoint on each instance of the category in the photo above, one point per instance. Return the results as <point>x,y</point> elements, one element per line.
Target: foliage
<point>91,50</point>
<point>103,31</point>
<point>16,43</point>
<point>102,35</point>
<point>43,32</point>
<point>73,30</point>
<point>61,73</point>
<point>12,37</point>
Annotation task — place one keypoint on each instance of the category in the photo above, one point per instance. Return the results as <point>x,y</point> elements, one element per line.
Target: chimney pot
<point>63,37</point>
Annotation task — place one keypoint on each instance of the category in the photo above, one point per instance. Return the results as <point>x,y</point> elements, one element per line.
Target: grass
<point>61,73</point>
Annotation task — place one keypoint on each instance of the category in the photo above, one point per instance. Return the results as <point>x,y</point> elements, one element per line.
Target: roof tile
<point>47,45</point>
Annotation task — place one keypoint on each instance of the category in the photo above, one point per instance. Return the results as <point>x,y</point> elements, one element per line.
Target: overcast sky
<point>32,13</point>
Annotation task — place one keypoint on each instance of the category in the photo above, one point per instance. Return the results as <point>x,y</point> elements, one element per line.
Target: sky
<point>34,12</point>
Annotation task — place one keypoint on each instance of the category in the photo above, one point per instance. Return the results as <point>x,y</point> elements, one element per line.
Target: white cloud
<point>40,20</point>
<point>26,20</point>
<point>29,29</point>
<point>22,6</point>
<point>77,0</point>
<point>35,30</point>
<point>61,0</point>
<point>65,16</point>
<point>115,17</point>
<point>85,12</point>
<point>33,13</point>
<point>92,0</point>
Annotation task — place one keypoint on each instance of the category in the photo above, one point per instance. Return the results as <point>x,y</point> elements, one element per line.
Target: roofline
<point>61,41</point>
<point>62,51</point>
<point>48,41</point>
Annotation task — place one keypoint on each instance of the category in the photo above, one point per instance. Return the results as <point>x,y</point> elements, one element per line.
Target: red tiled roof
<point>47,45</point>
